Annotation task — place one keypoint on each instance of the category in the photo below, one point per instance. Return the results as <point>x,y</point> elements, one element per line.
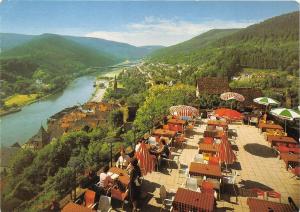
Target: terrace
<point>257,165</point>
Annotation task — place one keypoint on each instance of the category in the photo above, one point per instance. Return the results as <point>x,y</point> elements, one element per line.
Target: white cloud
<point>154,31</point>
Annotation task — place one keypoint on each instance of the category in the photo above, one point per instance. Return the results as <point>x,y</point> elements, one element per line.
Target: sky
<point>138,23</point>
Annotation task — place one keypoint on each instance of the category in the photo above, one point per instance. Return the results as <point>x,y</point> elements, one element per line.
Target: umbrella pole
<point>285,126</point>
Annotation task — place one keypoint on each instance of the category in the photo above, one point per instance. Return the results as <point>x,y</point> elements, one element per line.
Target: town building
<point>38,141</point>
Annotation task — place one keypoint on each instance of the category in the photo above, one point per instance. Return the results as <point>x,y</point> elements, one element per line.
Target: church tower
<point>115,83</point>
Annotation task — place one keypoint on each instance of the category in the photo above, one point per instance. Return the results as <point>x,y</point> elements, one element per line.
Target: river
<point>20,126</point>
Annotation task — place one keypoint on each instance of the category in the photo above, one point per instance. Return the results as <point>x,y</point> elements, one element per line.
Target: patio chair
<point>104,204</point>
<point>214,160</point>
<point>199,158</point>
<point>166,203</point>
<point>119,195</point>
<point>166,127</point>
<point>217,186</point>
<point>295,171</point>
<point>89,199</point>
<point>181,140</point>
<point>258,192</point>
<point>171,159</point>
<point>230,179</point>
<point>213,118</point>
<point>253,120</point>
<point>282,149</point>
<point>273,194</point>
<point>183,170</point>
<point>208,188</point>
<point>191,183</point>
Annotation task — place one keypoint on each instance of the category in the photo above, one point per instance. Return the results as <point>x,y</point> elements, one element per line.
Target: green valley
<point>272,46</point>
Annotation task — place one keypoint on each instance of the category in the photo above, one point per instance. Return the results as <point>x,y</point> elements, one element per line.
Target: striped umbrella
<point>266,101</point>
<point>286,114</point>
<point>146,160</point>
<point>184,110</point>
<point>226,154</point>
<point>232,96</point>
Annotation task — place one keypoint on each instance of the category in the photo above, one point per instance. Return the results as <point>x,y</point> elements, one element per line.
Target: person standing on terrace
<point>135,183</point>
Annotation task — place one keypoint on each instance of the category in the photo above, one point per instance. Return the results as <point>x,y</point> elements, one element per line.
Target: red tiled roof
<point>212,85</point>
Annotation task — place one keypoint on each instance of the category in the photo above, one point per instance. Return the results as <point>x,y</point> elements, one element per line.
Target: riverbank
<point>19,107</point>
<point>99,92</point>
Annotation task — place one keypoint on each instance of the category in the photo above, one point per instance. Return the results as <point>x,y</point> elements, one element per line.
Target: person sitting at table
<point>123,160</point>
<point>105,181</point>
<point>137,146</point>
<point>164,151</point>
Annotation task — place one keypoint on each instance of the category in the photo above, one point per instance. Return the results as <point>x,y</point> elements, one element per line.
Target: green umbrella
<point>266,101</point>
<point>286,114</point>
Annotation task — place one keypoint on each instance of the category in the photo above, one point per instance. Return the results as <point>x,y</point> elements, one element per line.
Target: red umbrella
<point>228,113</point>
<point>226,154</point>
<point>147,161</point>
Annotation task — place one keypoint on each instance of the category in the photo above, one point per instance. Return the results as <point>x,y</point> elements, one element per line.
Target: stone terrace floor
<point>257,165</point>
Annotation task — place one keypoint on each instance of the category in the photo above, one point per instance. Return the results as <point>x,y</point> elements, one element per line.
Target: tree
<point>116,118</point>
<point>20,161</point>
<point>158,101</point>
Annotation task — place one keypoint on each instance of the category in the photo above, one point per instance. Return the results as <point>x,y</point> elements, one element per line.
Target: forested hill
<point>273,43</point>
<point>179,52</point>
<point>11,40</point>
<point>123,51</point>
<point>49,59</point>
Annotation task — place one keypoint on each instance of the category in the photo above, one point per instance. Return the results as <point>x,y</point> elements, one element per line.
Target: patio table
<point>263,127</point>
<point>187,200</point>
<point>280,139</point>
<point>212,171</point>
<point>73,207</point>
<point>290,159</point>
<point>218,123</point>
<point>214,133</point>
<point>166,133</point>
<point>264,205</point>
<point>176,121</point>
<point>123,176</point>
<point>209,148</point>
<point>176,125</point>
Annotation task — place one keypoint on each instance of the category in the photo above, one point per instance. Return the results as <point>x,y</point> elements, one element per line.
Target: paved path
<point>257,165</point>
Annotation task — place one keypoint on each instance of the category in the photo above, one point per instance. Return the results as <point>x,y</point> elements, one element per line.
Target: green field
<point>20,99</point>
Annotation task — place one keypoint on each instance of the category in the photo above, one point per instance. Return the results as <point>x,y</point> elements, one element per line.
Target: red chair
<point>89,199</point>
<point>119,195</point>
<point>259,192</point>
<point>294,150</point>
<point>207,186</point>
<point>295,171</point>
<point>283,149</point>
<point>165,127</point>
<point>208,140</point>
<point>214,160</point>
<point>292,145</point>
<point>274,194</point>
